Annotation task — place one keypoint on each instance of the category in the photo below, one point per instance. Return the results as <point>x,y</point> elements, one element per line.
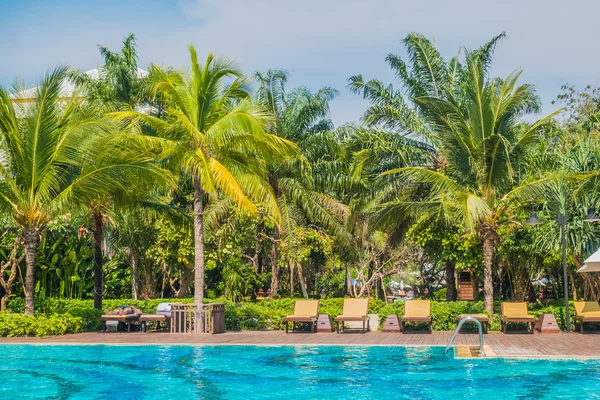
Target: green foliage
<point>39,325</point>
<point>446,244</point>
<point>89,317</point>
<point>65,262</point>
<point>439,295</point>
<point>445,160</point>
<point>61,306</point>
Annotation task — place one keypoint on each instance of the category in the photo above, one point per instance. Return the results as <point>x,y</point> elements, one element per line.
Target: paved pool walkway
<point>498,344</point>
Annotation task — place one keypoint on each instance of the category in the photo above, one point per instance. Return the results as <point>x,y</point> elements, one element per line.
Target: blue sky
<point>320,42</point>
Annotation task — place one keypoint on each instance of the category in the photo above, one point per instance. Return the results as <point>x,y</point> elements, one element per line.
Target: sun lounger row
<point>355,310</point>
<point>307,311</point>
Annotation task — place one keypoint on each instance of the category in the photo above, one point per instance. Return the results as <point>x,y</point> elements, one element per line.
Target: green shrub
<point>89,317</point>
<point>439,295</point>
<point>61,306</point>
<point>39,325</point>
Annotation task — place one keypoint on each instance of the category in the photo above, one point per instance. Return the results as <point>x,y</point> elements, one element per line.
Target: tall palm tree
<point>483,141</point>
<point>118,85</point>
<point>214,133</point>
<point>140,185</point>
<point>425,73</point>
<point>299,116</point>
<point>54,154</point>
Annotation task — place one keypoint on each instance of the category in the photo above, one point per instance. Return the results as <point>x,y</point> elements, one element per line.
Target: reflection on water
<point>308,372</point>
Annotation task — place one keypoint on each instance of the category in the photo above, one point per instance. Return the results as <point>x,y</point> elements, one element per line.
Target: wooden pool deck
<point>560,345</point>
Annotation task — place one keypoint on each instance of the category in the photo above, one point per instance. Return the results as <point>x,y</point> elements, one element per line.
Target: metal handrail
<point>460,324</point>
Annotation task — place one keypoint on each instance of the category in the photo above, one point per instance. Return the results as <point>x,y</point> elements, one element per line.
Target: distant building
<point>68,88</point>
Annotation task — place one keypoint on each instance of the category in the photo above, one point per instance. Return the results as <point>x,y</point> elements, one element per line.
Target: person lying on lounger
<point>123,310</point>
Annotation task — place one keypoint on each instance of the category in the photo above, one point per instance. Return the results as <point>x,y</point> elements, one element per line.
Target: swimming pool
<point>302,372</point>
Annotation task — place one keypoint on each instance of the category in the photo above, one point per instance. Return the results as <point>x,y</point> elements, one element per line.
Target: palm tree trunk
<point>198,244</point>
<point>291,266</point>
<point>134,273</point>
<point>348,281</point>
<point>450,281</point>
<point>98,258</point>
<point>274,267</point>
<point>488,283</point>
<point>301,281</point>
<point>30,241</point>
<point>573,286</point>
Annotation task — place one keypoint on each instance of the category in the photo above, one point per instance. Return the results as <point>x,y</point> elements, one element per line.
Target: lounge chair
<point>416,311</point>
<point>586,311</point>
<point>514,313</point>
<point>127,318</point>
<point>355,310</point>
<point>163,314</point>
<point>306,311</point>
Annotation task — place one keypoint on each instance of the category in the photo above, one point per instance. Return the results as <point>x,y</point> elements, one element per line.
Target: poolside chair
<point>355,310</point>
<point>514,313</point>
<point>416,311</point>
<point>127,318</point>
<point>163,314</point>
<point>586,311</point>
<point>305,311</point>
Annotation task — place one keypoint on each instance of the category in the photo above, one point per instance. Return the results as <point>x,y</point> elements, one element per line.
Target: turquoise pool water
<point>285,372</point>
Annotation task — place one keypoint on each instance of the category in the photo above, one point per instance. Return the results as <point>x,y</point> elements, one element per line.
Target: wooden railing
<point>187,318</point>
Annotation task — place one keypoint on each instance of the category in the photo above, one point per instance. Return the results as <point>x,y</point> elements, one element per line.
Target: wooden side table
<point>324,324</point>
<point>392,324</point>
<point>546,323</point>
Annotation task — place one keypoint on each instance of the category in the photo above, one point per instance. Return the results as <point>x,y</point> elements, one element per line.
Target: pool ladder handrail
<point>460,324</point>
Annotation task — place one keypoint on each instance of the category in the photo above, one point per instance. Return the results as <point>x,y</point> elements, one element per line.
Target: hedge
<point>269,314</point>
<point>38,325</point>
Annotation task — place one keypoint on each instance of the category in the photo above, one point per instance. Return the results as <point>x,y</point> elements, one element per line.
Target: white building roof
<point>68,87</point>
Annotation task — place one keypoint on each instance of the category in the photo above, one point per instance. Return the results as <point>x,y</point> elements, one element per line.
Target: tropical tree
<point>299,116</point>
<point>212,132</point>
<point>483,142</point>
<point>55,154</point>
<point>424,72</point>
<point>120,81</point>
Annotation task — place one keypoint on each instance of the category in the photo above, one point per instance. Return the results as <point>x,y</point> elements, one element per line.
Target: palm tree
<point>119,81</point>
<point>140,184</point>
<point>118,85</point>
<point>425,73</point>
<point>368,153</point>
<point>299,116</point>
<point>215,134</point>
<point>54,155</point>
<point>483,141</point>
